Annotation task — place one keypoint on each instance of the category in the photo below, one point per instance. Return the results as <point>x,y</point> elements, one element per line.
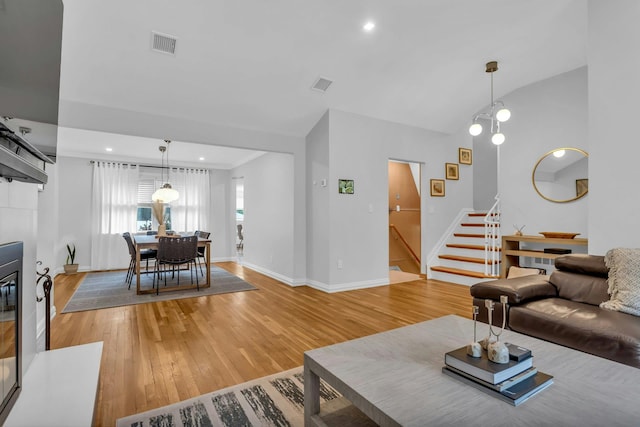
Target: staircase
<point>462,259</point>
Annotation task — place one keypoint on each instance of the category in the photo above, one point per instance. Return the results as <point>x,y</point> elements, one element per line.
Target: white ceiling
<point>251,63</point>
<point>135,149</point>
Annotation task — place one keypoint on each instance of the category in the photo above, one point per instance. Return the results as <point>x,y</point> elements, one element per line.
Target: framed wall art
<point>451,170</point>
<point>437,188</point>
<point>345,186</point>
<point>465,156</point>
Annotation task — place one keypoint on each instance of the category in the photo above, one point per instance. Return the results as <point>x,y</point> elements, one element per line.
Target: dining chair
<point>145,254</point>
<point>201,250</point>
<point>174,252</point>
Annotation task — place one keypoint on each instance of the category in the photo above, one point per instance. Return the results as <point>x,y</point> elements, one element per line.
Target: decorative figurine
<point>497,351</point>
<point>474,349</point>
<point>484,343</point>
<point>518,231</point>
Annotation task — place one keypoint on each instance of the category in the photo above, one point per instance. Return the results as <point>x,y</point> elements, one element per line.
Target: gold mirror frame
<point>533,175</point>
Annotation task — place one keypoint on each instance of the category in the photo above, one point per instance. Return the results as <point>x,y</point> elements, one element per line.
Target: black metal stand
<point>46,287</point>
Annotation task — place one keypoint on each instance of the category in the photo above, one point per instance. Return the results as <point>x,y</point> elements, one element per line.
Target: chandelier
<point>497,114</point>
<point>165,194</point>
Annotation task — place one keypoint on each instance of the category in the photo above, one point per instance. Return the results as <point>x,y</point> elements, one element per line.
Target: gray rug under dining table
<point>108,289</point>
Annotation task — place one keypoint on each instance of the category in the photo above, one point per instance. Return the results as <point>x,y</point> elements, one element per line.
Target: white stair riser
<point>471,266</point>
<point>467,240</point>
<point>456,278</point>
<point>464,252</point>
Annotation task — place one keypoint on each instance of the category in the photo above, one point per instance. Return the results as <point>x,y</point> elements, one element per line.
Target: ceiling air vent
<point>321,85</point>
<point>163,43</point>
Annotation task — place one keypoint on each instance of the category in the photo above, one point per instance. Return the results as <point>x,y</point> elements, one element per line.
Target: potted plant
<point>71,267</point>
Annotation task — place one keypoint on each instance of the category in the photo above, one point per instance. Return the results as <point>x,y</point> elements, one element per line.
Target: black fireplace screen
<point>10,327</point>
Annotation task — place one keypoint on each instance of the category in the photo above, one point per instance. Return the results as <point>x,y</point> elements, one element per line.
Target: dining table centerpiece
<point>158,213</point>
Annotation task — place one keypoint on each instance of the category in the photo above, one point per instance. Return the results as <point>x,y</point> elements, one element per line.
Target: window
<point>145,220</point>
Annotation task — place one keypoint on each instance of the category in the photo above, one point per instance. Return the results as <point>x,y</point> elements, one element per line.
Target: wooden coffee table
<point>395,378</point>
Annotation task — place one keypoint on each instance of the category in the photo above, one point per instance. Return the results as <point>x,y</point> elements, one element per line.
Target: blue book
<point>514,395</point>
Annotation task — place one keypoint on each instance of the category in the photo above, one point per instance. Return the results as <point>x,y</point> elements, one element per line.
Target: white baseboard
<point>340,287</point>
<point>282,278</point>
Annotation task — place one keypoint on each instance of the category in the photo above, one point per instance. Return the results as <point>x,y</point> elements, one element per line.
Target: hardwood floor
<point>160,353</point>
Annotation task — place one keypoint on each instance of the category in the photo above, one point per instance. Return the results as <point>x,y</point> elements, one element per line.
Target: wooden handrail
<point>402,239</point>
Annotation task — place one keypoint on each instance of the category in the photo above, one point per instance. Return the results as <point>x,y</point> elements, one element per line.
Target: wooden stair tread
<point>462,272</point>
<point>465,246</point>
<point>466,259</point>
<point>469,235</point>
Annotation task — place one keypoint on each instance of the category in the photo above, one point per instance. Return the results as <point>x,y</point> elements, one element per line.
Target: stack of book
<point>513,382</point>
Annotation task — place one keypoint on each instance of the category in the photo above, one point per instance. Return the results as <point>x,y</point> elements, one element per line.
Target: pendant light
<point>497,114</point>
<point>166,193</point>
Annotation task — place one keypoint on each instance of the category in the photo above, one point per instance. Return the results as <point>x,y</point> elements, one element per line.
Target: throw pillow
<point>523,271</point>
<point>624,280</point>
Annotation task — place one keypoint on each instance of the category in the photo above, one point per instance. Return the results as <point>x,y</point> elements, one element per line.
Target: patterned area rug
<point>276,400</point>
<point>108,289</point>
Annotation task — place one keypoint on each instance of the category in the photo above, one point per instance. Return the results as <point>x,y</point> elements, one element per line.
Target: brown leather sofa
<point>564,308</point>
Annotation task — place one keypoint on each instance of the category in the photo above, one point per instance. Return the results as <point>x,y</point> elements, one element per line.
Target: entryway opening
<point>404,221</point>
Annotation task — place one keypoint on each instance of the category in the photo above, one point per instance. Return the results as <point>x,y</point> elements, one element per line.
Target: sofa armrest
<point>519,289</point>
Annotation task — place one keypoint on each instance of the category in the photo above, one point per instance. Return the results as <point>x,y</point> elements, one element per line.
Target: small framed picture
<point>465,156</point>
<point>345,186</point>
<point>437,188</point>
<point>451,170</point>
<point>582,187</point>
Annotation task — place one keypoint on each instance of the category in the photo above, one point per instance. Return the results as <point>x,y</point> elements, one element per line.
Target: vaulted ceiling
<point>251,63</point>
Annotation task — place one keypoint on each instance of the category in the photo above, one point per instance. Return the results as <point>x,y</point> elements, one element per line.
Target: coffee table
<point>395,378</point>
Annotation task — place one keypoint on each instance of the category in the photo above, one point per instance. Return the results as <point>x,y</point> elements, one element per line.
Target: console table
<point>511,250</point>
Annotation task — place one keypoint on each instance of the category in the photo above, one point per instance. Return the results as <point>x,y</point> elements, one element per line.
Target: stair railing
<point>492,240</point>
<point>415,257</point>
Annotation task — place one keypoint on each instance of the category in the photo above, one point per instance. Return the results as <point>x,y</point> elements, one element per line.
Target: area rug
<point>276,400</point>
<point>108,289</point>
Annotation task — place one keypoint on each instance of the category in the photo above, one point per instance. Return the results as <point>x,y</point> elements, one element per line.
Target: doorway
<point>404,220</point>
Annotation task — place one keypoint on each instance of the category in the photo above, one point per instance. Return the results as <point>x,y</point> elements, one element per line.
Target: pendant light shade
<point>165,194</point>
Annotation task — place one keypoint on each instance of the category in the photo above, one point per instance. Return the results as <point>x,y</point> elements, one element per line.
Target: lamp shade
<point>503,115</point>
<point>165,194</point>
<point>475,129</point>
<point>497,138</point>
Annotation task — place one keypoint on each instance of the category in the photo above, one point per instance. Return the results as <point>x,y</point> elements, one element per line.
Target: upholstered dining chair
<point>145,254</point>
<point>202,235</point>
<point>174,252</point>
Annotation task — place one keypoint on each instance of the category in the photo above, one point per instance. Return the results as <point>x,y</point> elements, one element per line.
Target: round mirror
<point>561,175</point>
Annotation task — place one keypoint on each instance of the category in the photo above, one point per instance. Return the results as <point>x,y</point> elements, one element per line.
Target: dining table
<point>151,242</point>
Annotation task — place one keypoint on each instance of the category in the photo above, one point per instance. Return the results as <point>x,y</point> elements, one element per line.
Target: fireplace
<point>10,326</point>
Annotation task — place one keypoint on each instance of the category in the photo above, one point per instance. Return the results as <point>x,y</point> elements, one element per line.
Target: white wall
<point>269,215</point>
<point>359,149</point>
<point>75,176</point>
<point>545,115</point>
<point>318,201</point>
<point>614,91</point>
<point>19,222</point>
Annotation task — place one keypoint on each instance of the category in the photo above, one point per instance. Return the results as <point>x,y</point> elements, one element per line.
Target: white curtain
<point>191,211</point>
<point>114,211</point>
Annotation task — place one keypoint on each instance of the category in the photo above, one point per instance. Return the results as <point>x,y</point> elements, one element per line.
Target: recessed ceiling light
<point>201,158</point>
<point>109,149</point>
<point>369,26</point>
